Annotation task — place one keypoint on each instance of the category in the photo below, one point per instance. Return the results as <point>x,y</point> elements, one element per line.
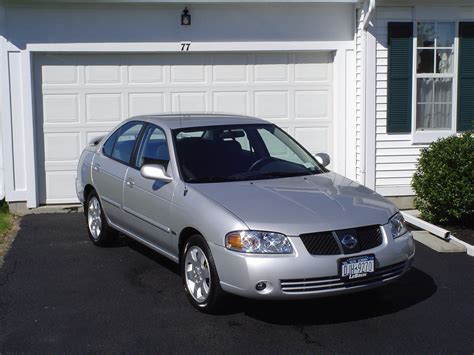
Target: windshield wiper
<point>276,174</point>
<point>211,179</point>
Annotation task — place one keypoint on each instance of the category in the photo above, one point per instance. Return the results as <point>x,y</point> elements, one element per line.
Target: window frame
<point>141,142</point>
<point>119,131</point>
<point>428,136</point>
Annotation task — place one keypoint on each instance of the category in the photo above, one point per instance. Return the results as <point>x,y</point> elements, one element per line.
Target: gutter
<point>419,223</point>
<point>368,15</point>
<point>445,235</point>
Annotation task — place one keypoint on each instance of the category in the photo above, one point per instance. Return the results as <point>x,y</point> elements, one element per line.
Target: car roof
<point>174,121</point>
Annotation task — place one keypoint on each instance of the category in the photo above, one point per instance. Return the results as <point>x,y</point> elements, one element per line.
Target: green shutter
<point>400,67</point>
<point>466,77</point>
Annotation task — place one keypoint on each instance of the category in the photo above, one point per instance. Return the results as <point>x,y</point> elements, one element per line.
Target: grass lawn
<point>5,218</point>
<point>6,221</point>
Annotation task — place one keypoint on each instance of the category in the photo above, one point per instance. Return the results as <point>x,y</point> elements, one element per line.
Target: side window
<point>154,148</point>
<point>109,145</point>
<point>123,142</point>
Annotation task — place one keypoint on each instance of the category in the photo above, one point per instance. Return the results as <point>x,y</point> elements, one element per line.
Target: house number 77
<point>185,46</point>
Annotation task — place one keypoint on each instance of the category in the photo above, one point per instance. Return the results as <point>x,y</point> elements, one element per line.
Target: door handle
<point>96,167</point>
<point>129,182</point>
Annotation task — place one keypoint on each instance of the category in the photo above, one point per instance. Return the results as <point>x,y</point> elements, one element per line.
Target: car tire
<point>98,229</point>
<point>199,274</point>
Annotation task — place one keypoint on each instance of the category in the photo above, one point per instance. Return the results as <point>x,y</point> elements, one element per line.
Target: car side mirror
<point>155,172</point>
<point>323,159</point>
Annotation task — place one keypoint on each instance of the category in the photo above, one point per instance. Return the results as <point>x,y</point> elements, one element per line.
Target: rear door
<point>110,166</point>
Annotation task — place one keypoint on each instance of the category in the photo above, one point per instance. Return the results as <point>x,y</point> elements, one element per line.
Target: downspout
<point>363,119</point>
<point>368,15</point>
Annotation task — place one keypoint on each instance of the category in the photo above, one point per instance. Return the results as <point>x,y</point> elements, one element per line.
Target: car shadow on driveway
<point>414,287</point>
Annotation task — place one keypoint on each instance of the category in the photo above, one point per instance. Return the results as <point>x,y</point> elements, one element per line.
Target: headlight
<point>397,225</point>
<point>258,242</point>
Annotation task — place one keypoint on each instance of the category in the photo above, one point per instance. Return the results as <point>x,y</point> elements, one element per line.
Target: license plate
<point>357,266</point>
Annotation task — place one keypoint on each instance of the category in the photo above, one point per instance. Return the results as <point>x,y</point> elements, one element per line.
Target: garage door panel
<point>271,67</point>
<point>313,67</point>
<point>146,103</point>
<point>60,74</point>
<point>235,102</point>
<point>271,104</point>
<point>145,74</point>
<point>188,69</point>
<point>60,186</point>
<point>61,108</point>
<point>103,74</point>
<point>84,96</point>
<point>103,107</point>
<point>62,146</point>
<point>230,68</point>
<point>311,104</point>
<point>189,102</point>
<point>314,139</point>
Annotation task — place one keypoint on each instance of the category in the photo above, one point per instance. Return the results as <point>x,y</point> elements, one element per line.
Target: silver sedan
<point>242,207</point>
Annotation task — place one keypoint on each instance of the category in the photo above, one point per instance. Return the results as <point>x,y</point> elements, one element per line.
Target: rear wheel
<point>200,279</point>
<point>98,229</point>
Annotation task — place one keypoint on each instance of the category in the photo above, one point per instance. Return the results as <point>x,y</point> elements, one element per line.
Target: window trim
<point>429,136</point>
<point>141,141</point>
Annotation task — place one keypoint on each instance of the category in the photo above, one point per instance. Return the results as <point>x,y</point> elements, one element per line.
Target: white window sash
<point>428,136</point>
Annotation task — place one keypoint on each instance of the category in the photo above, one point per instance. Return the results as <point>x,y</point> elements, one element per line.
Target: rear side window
<point>120,145</point>
<point>109,145</point>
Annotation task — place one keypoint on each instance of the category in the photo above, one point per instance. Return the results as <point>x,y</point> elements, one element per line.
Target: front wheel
<point>98,229</point>
<point>200,279</point>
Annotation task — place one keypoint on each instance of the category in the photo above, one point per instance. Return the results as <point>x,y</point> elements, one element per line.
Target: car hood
<point>302,204</point>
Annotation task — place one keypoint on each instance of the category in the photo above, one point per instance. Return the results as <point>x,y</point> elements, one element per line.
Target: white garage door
<point>82,96</point>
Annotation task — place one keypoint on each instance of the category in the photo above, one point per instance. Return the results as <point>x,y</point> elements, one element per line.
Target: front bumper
<point>302,275</point>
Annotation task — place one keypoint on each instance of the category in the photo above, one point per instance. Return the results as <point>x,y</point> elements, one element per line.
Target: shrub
<point>444,181</point>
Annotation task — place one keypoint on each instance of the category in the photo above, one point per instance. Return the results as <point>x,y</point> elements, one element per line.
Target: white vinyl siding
<point>395,155</point>
<point>359,93</point>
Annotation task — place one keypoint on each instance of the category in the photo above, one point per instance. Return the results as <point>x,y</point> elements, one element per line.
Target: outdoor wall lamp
<point>185,18</point>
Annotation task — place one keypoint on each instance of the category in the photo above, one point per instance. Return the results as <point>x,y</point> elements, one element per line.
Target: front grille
<point>321,243</point>
<point>369,237</point>
<point>335,283</point>
<point>329,243</point>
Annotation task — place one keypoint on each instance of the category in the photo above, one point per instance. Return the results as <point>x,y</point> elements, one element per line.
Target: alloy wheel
<point>197,274</point>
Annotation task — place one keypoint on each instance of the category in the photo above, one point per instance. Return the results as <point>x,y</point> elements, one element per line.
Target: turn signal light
<point>234,241</point>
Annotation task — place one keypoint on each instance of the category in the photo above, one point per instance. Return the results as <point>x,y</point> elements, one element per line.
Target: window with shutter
<point>465,119</point>
<point>400,66</point>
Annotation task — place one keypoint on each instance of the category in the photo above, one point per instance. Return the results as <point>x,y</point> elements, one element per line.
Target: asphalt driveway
<point>59,293</point>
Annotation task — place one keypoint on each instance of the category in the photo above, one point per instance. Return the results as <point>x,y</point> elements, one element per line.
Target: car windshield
<point>240,152</point>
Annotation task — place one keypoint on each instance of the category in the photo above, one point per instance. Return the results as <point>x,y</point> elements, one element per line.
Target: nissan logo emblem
<point>349,241</point>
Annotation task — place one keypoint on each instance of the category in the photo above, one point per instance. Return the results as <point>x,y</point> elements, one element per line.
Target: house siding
<point>359,45</point>
<point>395,155</point>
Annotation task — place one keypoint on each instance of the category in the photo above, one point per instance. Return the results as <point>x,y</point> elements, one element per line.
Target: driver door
<point>147,203</point>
